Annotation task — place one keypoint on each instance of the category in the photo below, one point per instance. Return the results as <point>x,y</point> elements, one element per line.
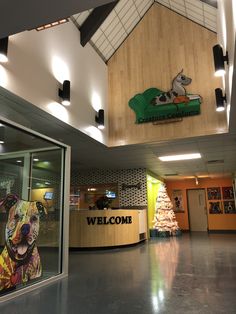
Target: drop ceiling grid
<point>118,25</point>
<point>128,13</point>
<point>210,149</point>
<point>195,10</point>
<point>81,17</point>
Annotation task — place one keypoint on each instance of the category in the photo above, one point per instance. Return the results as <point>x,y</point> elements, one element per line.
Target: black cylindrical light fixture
<point>2,135</point>
<point>64,93</point>
<point>3,49</point>
<point>219,60</point>
<point>99,118</point>
<point>220,99</point>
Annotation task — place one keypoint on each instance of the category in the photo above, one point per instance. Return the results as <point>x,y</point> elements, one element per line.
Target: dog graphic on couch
<point>20,260</point>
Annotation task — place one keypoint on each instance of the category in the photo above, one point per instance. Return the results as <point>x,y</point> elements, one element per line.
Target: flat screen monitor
<point>48,195</point>
<point>110,194</point>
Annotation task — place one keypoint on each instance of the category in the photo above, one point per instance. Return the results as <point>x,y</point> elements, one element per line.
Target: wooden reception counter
<point>107,228</point>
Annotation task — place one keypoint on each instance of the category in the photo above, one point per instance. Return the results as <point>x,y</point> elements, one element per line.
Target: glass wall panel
<point>31,209</point>
<point>46,188</point>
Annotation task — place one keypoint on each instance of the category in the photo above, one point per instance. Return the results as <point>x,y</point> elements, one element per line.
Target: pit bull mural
<point>20,259</point>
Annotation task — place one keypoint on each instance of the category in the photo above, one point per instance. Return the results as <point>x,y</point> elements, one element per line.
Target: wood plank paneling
<point>159,47</point>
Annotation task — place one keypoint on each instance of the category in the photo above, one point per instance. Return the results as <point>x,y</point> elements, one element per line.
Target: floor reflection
<point>188,274</point>
<point>164,258</point>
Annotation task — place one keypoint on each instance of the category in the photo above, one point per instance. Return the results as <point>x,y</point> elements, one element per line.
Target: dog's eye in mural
<point>41,209</point>
<point>16,217</point>
<point>20,260</point>
<point>9,201</point>
<point>33,219</point>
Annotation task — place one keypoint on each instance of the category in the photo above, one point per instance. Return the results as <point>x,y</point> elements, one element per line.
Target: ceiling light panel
<point>49,25</point>
<point>180,157</point>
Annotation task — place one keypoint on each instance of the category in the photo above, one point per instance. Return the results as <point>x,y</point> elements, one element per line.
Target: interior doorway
<point>197,210</point>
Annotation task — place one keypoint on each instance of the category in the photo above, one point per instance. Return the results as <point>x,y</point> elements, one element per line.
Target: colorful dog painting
<point>20,260</point>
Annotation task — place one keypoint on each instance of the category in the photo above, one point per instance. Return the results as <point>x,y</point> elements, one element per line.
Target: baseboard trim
<point>222,231</point>
<point>72,249</point>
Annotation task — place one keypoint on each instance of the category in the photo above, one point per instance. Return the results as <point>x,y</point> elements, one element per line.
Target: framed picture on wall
<point>228,193</point>
<point>229,207</point>
<point>214,193</point>
<point>177,200</point>
<point>215,208</point>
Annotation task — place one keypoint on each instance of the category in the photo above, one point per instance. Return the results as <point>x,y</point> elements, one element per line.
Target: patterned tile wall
<point>130,197</point>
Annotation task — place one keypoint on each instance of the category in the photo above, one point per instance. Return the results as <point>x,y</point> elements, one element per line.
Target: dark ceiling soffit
<point>27,14</point>
<point>94,21</point>
<point>213,3</point>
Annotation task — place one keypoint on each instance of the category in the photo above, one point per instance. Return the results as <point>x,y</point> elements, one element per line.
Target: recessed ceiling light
<point>180,157</point>
<point>2,142</point>
<point>19,161</point>
<point>49,25</point>
<point>36,159</point>
<point>92,189</point>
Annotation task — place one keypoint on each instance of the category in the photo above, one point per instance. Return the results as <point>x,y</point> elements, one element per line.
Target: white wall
<point>38,61</point>
<point>226,37</point>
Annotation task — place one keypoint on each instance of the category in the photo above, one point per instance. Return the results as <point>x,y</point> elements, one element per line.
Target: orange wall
<point>215,221</point>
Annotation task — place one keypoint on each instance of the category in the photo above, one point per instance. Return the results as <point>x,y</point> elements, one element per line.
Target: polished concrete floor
<point>190,274</point>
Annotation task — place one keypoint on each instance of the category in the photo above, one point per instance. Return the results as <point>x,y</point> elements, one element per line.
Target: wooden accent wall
<point>161,45</point>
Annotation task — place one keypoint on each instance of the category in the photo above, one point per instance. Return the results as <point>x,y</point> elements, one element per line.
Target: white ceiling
<point>128,13</point>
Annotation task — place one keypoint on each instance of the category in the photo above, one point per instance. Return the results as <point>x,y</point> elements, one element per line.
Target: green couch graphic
<point>146,112</point>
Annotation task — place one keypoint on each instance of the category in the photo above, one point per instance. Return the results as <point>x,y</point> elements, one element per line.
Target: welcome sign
<point>109,220</point>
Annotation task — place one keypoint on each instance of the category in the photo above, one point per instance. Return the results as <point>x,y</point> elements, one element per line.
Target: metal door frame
<point>189,220</point>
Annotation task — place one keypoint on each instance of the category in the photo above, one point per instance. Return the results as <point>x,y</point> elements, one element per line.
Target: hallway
<point>190,274</point>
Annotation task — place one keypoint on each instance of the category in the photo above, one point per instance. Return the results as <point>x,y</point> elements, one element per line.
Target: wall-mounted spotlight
<point>196,181</point>
<point>3,49</point>
<point>64,93</point>
<point>99,118</point>
<point>219,60</point>
<point>220,100</point>
<point>2,135</point>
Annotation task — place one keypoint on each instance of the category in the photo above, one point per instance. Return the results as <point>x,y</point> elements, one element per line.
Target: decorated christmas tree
<point>164,219</point>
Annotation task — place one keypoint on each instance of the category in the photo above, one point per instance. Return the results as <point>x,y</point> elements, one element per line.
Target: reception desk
<point>107,228</point>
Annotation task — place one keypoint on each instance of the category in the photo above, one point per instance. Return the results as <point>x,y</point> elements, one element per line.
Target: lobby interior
<point>139,45</point>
